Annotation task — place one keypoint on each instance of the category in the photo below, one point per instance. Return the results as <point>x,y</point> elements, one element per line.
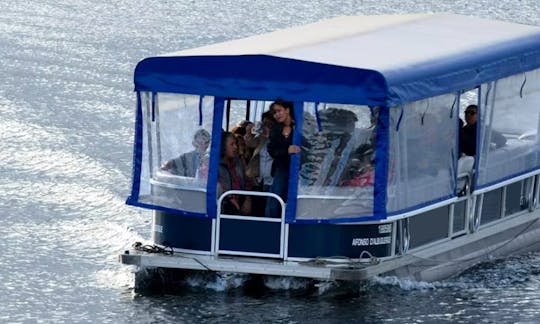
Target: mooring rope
<point>153,248</point>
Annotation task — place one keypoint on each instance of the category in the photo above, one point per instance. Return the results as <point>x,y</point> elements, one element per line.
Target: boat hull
<point>434,261</point>
<point>262,237</point>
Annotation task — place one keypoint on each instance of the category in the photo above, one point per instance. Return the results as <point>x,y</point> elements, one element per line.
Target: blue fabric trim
<point>463,71</point>
<point>164,209</point>
<point>318,117</point>
<point>381,163</point>
<point>522,85</point>
<point>454,105</point>
<point>400,118</point>
<point>213,164</point>
<point>294,169</point>
<point>488,184</point>
<point>260,76</point>
<point>489,86</point>
<point>339,220</point>
<point>421,205</point>
<point>370,218</point>
<point>137,152</point>
<point>153,106</point>
<point>200,110</point>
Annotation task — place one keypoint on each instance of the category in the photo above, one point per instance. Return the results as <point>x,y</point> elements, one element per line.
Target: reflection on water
<point>500,292</point>
<point>489,292</point>
<point>66,129</point>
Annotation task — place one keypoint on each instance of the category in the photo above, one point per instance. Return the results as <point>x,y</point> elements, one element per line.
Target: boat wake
<point>510,272</point>
<point>496,274</point>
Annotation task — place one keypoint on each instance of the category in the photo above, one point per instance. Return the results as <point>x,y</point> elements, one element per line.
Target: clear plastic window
<point>337,161</point>
<point>423,151</point>
<point>237,111</point>
<point>176,140</point>
<point>509,124</point>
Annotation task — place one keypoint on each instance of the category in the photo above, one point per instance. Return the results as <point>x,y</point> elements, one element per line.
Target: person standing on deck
<point>280,148</point>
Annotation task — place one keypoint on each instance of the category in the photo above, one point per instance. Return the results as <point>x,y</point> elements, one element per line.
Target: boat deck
<point>314,269</point>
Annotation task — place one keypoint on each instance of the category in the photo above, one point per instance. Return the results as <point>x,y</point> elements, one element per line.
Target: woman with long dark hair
<point>232,176</point>
<point>280,148</point>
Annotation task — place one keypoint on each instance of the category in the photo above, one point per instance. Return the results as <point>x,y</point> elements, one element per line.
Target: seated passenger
<point>232,176</point>
<point>467,134</point>
<point>188,163</point>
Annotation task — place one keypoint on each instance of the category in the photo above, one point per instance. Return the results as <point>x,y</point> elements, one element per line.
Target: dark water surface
<point>66,117</point>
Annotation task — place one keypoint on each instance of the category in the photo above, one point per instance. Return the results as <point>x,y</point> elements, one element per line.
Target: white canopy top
<point>370,60</point>
<point>382,43</point>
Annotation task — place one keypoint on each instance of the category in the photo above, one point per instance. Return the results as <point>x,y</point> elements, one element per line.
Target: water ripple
<point>66,118</point>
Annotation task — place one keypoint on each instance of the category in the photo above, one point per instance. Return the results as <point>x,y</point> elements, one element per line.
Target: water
<point>66,117</point>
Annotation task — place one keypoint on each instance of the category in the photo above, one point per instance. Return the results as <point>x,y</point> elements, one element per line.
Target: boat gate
<point>250,235</point>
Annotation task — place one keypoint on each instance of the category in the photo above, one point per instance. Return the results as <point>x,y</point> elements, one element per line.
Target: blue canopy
<point>368,60</point>
<point>381,61</point>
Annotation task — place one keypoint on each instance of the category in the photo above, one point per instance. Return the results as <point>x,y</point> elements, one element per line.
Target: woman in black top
<point>280,148</point>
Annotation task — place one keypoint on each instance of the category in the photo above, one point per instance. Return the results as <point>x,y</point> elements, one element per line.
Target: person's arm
<point>167,165</point>
<point>180,164</point>
<point>175,166</point>
<point>293,149</point>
